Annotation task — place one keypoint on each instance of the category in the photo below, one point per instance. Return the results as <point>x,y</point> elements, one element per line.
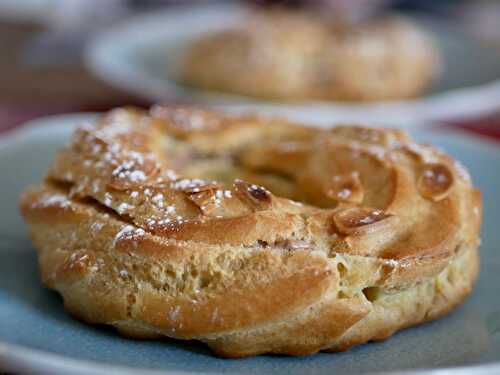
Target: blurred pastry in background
<point>298,55</point>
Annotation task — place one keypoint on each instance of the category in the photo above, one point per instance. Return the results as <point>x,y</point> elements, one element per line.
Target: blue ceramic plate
<point>36,335</point>
<point>142,55</point>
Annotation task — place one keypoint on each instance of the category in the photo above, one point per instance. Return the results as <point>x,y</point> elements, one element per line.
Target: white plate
<point>142,54</point>
<point>37,336</point>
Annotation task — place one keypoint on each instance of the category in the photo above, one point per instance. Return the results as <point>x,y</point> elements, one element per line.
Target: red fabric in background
<point>488,126</point>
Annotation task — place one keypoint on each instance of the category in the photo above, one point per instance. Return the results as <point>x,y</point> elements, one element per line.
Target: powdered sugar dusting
<point>108,199</point>
<point>158,200</point>
<point>174,313</point>
<point>186,183</point>
<point>462,171</point>
<point>54,200</point>
<point>123,207</point>
<point>97,226</point>
<point>128,232</point>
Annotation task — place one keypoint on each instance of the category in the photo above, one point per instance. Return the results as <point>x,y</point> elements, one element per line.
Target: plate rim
<point>447,105</point>
<point>24,359</point>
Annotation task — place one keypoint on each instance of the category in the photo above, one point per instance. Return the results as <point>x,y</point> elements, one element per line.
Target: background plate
<point>142,54</point>
<point>36,335</point>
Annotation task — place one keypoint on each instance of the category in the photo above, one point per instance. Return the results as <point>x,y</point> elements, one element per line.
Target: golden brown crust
<point>289,55</point>
<point>143,224</point>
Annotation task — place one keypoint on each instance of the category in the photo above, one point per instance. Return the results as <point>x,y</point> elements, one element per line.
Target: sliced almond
<point>360,220</point>
<point>435,181</point>
<point>256,196</point>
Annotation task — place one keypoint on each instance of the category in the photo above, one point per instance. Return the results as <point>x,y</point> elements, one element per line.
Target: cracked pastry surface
<point>286,55</point>
<point>253,235</point>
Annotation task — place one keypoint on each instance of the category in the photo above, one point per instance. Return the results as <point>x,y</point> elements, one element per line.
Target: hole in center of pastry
<point>282,167</point>
<point>318,168</point>
<point>226,168</point>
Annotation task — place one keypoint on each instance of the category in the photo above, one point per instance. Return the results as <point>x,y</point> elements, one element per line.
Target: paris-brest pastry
<point>253,235</point>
